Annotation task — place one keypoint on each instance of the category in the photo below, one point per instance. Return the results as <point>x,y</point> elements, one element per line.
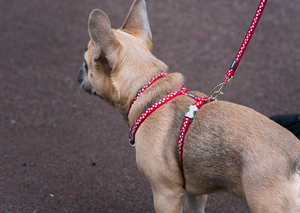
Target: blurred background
<point>62,150</point>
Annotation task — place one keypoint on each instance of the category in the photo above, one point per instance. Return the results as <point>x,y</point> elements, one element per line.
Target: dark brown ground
<point>64,151</point>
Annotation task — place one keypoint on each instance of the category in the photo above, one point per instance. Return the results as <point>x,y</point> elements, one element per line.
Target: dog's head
<point>117,63</point>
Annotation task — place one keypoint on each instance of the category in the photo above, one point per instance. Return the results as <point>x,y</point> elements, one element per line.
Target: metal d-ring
<point>131,140</point>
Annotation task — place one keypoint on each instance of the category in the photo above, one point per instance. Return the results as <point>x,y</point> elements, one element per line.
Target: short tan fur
<point>228,147</point>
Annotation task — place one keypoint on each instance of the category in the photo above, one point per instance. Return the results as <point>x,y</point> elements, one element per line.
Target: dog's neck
<point>142,90</point>
<point>134,71</point>
<point>159,89</point>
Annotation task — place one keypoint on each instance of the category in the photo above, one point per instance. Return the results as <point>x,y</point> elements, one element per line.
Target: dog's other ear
<point>101,34</point>
<point>137,22</point>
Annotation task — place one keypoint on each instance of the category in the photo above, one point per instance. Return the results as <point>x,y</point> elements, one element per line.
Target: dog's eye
<point>85,64</point>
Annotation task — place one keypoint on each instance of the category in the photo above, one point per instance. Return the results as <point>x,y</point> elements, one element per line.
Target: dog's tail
<point>296,164</point>
<point>296,186</point>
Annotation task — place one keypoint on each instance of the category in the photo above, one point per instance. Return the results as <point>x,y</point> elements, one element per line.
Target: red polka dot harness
<point>188,116</point>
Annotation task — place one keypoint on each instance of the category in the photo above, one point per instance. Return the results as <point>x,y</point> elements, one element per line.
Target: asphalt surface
<point>62,150</point>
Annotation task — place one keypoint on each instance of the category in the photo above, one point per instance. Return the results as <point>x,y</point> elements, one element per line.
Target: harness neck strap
<point>141,91</point>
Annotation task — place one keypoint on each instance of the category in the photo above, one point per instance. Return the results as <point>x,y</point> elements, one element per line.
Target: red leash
<point>230,73</point>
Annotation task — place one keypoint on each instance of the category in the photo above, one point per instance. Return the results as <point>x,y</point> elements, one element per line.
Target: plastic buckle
<point>191,113</point>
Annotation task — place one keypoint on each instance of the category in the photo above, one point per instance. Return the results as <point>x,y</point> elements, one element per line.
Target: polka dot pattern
<point>139,121</point>
<point>185,125</point>
<point>247,38</point>
<point>186,122</point>
<point>146,87</point>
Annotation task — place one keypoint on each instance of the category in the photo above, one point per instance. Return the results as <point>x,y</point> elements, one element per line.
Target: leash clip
<point>218,90</point>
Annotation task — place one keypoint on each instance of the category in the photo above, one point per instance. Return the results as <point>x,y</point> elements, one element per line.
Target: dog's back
<point>232,148</point>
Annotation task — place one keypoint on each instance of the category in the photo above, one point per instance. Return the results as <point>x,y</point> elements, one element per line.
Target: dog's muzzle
<point>80,78</point>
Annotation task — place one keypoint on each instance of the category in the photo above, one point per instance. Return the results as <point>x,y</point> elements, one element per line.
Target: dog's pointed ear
<point>137,22</point>
<point>101,34</point>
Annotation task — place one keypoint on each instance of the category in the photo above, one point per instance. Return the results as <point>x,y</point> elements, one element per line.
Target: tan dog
<point>228,147</point>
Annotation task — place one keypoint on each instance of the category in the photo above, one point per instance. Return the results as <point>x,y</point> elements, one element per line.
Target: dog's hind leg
<point>167,199</point>
<point>276,200</point>
<point>274,194</point>
<point>194,204</point>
